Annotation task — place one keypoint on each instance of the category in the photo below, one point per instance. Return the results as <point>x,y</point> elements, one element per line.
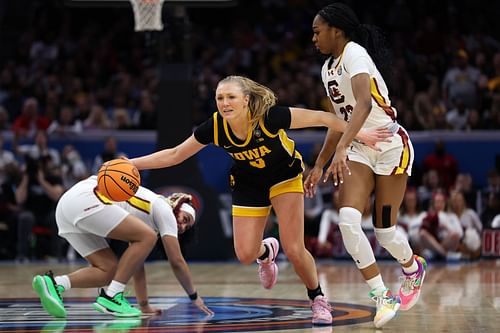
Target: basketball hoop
<point>147,14</point>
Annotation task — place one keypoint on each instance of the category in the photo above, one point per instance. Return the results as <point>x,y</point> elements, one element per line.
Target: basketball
<point>118,180</point>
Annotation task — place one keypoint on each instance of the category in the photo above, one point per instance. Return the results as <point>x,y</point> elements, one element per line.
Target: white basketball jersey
<point>148,206</point>
<point>336,75</point>
<point>153,209</point>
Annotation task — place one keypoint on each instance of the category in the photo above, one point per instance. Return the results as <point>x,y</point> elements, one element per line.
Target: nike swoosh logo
<point>226,147</point>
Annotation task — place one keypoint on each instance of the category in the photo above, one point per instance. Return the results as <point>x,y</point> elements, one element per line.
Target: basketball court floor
<point>456,298</point>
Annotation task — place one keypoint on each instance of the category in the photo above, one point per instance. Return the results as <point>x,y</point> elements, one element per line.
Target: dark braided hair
<point>341,16</point>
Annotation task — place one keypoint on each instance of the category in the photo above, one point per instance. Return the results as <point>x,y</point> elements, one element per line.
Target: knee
<point>295,252</point>
<point>385,236</point>
<point>350,228</point>
<point>246,255</point>
<point>148,236</point>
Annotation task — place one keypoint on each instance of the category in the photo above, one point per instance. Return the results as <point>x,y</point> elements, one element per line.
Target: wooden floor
<point>456,298</point>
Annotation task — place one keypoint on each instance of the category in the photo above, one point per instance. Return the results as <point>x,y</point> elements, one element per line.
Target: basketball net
<point>147,14</point>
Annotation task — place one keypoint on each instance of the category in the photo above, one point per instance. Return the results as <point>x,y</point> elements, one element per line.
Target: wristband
<point>193,296</point>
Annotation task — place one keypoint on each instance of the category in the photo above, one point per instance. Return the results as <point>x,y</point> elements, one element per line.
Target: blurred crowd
<point>443,216</point>
<point>70,70</point>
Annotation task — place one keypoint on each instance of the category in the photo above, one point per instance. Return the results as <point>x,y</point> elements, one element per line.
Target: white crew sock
<point>114,288</point>
<point>63,280</point>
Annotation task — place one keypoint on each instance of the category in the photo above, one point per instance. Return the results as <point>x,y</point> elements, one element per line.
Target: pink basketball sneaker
<point>322,311</point>
<point>268,270</point>
<point>411,285</point>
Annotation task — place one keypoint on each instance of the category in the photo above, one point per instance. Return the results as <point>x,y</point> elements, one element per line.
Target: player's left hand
<point>201,305</point>
<point>338,167</point>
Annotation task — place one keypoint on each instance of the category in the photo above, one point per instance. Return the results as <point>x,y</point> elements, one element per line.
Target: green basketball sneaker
<point>117,305</point>
<point>50,294</point>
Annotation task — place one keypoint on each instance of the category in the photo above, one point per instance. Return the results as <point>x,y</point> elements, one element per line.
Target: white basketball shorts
<point>84,220</point>
<point>395,158</point>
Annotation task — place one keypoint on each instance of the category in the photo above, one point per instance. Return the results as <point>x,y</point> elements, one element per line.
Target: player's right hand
<point>201,305</point>
<point>312,181</point>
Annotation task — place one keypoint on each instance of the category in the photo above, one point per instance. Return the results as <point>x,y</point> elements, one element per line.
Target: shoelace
<point>384,300</point>
<point>321,304</point>
<point>409,283</point>
<point>57,287</point>
<point>120,299</point>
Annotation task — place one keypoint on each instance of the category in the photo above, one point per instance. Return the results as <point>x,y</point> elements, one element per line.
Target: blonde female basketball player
<point>85,218</point>
<point>267,173</point>
<point>359,95</point>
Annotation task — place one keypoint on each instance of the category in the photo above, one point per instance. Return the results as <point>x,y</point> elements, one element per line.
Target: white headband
<point>187,208</point>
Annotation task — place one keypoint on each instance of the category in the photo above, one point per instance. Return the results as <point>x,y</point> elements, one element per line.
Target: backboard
<point>188,3</point>
<point>148,13</point>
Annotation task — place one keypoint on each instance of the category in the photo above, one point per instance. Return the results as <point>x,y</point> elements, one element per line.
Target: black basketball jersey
<point>265,152</point>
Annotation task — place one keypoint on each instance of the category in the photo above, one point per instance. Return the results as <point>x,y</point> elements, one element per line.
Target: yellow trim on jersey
<point>140,204</point>
<point>249,135</point>
<point>216,129</point>
<point>286,142</point>
<point>341,56</point>
<point>265,130</point>
<point>377,96</point>
<point>104,199</point>
<point>287,186</point>
<point>251,211</point>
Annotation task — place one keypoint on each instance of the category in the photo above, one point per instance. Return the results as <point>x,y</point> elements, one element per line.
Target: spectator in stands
<point>471,225</point>
<point>37,194</point>
<point>444,163</point>
<point>461,82</point>
<point>440,232</point>
<point>430,184</point>
<point>121,120</point>
<point>474,121</point>
<point>97,119</point>
<point>494,81</point>
<point>66,124</point>
<point>8,209</point>
<point>110,152</point>
<point>40,149</point>
<point>428,104</point>
<point>457,117</point>
<point>30,121</point>
<point>492,211</point>
<point>73,168</point>
<point>411,217</point>
<point>464,184</point>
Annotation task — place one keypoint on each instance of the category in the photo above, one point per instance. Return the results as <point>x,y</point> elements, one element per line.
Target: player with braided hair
<point>86,217</point>
<point>359,95</point>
